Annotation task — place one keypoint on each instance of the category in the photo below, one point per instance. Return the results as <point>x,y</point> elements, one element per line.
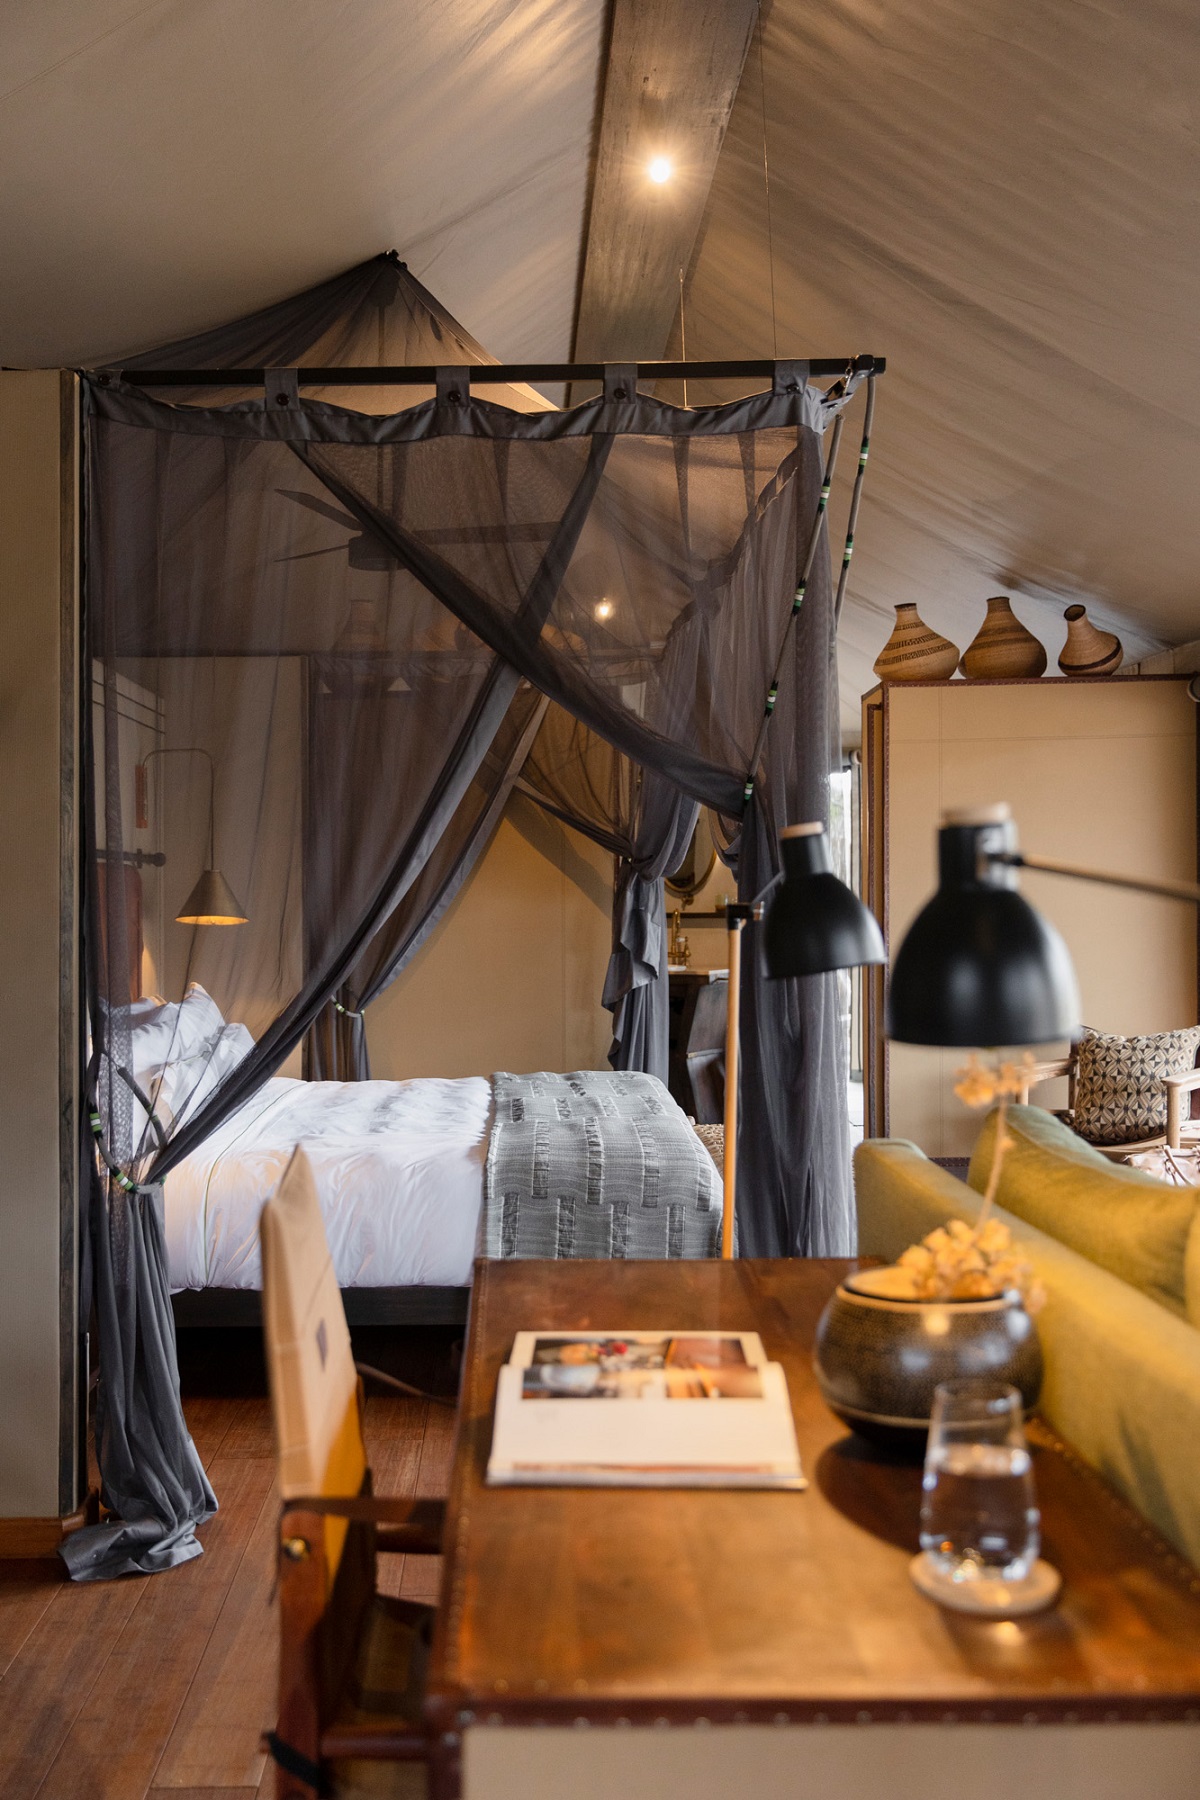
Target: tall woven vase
<point>1088,651</point>
<point>1002,649</point>
<point>914,652</point>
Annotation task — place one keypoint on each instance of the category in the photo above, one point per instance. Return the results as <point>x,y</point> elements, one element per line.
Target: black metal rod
<point>495,374</point>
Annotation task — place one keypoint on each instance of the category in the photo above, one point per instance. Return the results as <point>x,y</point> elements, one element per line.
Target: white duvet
<point>399,1167</point>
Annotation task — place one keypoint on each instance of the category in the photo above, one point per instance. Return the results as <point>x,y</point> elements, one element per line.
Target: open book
<point>643,1409</point>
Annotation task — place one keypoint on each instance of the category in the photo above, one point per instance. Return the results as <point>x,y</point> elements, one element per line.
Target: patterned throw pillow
<point>1118,1083</point>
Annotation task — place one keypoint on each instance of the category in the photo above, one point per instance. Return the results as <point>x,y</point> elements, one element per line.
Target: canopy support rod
<point>490,374</point>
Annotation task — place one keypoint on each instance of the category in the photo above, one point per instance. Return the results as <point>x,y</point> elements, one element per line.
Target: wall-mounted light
<point>212,901</point>
<point>660,170</point>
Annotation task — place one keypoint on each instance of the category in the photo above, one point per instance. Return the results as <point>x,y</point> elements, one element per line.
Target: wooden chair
<point>1180,1126</point>
<point>352,1661</point>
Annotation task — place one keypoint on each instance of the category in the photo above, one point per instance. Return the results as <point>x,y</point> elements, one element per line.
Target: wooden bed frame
<point>224,1307</point>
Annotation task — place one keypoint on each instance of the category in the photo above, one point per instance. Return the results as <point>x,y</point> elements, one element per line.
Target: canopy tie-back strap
<point>282,388</point>
<point>125,1182</point>
<point>856,496</point>
<point>814,538</point>
<point>347,1012</point>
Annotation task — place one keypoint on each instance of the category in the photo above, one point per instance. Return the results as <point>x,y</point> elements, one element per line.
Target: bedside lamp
<point>813,924</point>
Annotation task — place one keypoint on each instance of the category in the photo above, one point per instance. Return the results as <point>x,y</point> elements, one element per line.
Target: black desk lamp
<point>979,967</point>
<point>813,924</point>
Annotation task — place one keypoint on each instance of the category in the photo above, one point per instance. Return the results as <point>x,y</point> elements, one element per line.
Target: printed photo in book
<point>542,1436</point>
<point>645,1366</point>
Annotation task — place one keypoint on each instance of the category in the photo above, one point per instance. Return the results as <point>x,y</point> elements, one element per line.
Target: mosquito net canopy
<point>325,640</point>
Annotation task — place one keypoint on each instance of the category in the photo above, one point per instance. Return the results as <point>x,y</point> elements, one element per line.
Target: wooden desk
<point>642,1644</point>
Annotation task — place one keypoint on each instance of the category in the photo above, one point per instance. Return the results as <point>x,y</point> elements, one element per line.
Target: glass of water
<point>979,1515</point>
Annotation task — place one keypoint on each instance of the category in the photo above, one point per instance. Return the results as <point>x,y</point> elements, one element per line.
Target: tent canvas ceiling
<point>1002,196</point>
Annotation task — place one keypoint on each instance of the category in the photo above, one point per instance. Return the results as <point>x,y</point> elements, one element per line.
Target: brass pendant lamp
<point>212,901</point>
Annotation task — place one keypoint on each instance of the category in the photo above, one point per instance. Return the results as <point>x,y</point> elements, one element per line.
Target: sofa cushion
<point>1120,1218</point>
<point>1119,1096</point>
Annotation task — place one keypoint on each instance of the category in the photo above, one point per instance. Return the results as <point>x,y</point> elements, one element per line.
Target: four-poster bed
<point>612,603</point>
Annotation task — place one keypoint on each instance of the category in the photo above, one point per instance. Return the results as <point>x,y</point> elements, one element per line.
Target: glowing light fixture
<point>660,170</point>
<point>212,901</point>
<point>604,609</point>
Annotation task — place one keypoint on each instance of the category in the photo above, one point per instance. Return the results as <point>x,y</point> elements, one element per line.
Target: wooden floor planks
<point>156,1687</point>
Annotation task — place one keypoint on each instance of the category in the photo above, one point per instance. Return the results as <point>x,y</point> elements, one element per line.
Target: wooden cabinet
<point>1098,772</point>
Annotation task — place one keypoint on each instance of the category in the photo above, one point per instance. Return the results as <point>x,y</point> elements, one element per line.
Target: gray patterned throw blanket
<point>597,1163</point>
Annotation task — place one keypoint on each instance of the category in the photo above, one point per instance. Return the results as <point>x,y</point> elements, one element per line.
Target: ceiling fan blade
<point>303,555</point>
<point>320,506</point>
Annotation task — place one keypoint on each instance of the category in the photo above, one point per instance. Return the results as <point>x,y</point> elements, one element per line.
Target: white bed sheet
<point>399,1168</point>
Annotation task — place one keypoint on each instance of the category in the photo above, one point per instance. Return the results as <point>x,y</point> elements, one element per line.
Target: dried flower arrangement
<point>958,1261</point>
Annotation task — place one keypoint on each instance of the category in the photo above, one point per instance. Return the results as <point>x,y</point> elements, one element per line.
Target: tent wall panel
<point>40,1394</point>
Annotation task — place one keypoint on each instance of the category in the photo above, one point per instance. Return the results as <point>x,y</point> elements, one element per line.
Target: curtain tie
<point>282,388</point>
<point>453,385</point>
<point>620,382</point>
<point>790,378</point>
<point>123,1181</point>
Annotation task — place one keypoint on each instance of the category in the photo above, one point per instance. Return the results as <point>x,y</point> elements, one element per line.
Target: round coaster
<point>988,1597</point>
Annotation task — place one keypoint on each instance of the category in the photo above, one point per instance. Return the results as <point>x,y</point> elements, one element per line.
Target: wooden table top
<point>641,1605</point>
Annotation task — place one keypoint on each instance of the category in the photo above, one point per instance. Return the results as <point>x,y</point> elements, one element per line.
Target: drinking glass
<point>979,1515</point>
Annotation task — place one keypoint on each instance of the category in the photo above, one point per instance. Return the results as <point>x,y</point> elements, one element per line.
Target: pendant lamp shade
<point>211,902</point>
<point>814,923</point>
<point>979,968</point>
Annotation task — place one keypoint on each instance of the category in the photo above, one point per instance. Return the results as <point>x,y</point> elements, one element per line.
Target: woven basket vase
<point>914,652</point>
<point>1088,651</point>
<point>1002,649</point>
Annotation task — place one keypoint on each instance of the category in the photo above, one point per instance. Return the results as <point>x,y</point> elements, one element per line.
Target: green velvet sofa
<point>1119,1255</point>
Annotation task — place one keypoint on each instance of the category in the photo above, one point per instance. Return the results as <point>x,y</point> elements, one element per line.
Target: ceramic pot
<point>1002,649</point>
<point>878,1358</point>
<point>914,652</point>
<point>1088,651</point>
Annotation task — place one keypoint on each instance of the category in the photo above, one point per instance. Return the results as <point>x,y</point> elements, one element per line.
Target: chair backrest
<point>314,1384</point>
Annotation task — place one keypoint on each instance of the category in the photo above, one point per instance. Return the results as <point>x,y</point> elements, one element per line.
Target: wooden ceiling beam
<point>672,73</point>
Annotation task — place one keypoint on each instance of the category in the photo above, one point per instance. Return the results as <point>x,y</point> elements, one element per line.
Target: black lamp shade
<point>814,923</point>
<point>979,968</point>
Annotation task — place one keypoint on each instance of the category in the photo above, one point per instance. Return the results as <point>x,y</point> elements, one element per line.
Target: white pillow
<point>163,1031</point>
<point>179,1054</point>
<point>186,1083</point>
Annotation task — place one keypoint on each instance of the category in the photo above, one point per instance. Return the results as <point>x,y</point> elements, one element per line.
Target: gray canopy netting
<point>325,643</point>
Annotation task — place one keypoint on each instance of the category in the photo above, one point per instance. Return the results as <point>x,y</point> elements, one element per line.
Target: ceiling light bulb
<point>604,609</point>
<point>660,169</point>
